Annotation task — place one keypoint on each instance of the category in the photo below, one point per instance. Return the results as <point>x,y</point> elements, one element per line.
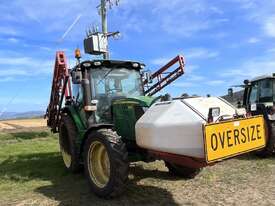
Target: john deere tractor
<point>96,122</point>
<point>259,99</point>
<point>110,118</point>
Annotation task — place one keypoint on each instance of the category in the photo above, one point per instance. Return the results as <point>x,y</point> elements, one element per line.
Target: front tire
<point>106,163</point>
<point>67,142</point>
<point>181,171</point>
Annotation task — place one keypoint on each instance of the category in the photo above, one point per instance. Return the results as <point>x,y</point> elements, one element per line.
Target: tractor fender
<point>73,114</point>
<point>91,129</point>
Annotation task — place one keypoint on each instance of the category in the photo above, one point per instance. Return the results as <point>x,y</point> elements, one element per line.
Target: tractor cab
<point>110,84</point>
<point>258,99</point>
<point>259,91</point>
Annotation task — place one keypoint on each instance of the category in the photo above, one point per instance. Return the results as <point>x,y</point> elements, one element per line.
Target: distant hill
<point>22,115</point>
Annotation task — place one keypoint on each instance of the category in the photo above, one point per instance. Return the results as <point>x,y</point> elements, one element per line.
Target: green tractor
<point>96,123</point>
<point>258,99</point>
<point>107,116</point>
<point>110,118</point>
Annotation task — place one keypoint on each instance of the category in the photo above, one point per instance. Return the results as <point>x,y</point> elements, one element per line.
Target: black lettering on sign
<point>248,135</point>
<point>214,140</point>
<point>253,138</point>
<point>258,131</point>
<point>243,134</point>
<point>222,139</point>
<point>236,136</point>
<point>229,138</point>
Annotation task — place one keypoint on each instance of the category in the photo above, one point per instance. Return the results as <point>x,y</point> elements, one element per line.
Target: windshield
<point>108,84</point>
<point>262,91</point>
<point>266,90</point>
<point>115,82</point>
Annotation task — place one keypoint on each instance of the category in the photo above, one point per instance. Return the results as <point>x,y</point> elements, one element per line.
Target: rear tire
<point>67,142</point>
<point>106,163</point>
<point>270,147</point>
<point>181,171</point>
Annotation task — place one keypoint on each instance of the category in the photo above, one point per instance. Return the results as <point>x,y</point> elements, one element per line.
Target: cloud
<point>190,54</point>
<point>8,30</point>
<point>24,66</point>
<point>7,79</point>
<point>250,68</point>
<point>253,40</point>
<point>185,84</point>
<point>261,13</point>
<point>160,61</point>
<point>215,82</point>
<point>13,40</point>
<point>46,16</point>
<point>181,18</point>
<point>269,26</point>
<point>200,53</point>
<point>271,50</point>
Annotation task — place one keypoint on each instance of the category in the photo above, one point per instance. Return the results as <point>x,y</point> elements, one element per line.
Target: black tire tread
<point>270,147</point>
<point>67,121</point>
<point>119,156</point>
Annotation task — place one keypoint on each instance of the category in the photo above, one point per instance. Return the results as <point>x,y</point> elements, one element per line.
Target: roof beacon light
<point>77,53</point>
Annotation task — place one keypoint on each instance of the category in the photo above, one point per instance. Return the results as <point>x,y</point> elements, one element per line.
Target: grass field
<point>32,173</point>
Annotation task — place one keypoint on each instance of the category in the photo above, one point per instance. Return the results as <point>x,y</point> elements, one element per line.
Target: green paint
<point>126,112</point>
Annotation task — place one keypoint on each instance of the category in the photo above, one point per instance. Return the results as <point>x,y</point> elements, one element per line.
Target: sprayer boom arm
<point>61,87</point>
<point>163,77</point>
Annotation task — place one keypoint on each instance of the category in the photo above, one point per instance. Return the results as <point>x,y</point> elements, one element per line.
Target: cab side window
<point>265,90</point>
<point>77,92</point>
<point>253,97</point>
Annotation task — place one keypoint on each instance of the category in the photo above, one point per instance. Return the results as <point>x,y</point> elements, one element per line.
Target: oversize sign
<point>230,138</point>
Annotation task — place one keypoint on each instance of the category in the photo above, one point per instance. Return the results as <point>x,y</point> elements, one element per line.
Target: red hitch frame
<point>163,77</point>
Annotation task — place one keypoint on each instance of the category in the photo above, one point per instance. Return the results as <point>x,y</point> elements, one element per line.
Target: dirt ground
<point>8,125</point>
<point>32,173</point>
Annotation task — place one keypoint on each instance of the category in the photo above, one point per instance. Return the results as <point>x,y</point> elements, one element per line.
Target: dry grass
<point>32,173</point>
<point>7,125</point>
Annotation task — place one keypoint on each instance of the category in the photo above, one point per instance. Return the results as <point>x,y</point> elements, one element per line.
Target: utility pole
<point>96,43</point>
<point>104,24</point>
<point>103,13</point>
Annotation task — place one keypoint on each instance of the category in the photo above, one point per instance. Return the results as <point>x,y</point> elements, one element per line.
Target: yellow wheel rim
<point>67,158</point>
<point>99,164</point>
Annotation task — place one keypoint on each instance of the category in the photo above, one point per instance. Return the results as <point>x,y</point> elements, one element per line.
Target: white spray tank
<point>176,126</point>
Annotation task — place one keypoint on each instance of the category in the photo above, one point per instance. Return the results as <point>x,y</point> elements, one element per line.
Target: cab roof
<point>110,63</point>
<point>272,76</point>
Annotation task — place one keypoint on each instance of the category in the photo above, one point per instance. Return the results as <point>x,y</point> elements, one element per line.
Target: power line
<point>70,28</point>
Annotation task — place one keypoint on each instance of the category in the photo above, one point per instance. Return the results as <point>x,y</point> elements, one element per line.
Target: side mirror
<point>246,82</point>
<point>230,92</point>
<point>147,76</point>
<point>76,77</point>
<point>213,112</point>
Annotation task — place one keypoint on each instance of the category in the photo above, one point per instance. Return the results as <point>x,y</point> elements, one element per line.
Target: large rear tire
<point>67,142</point>
<point>270,147</point>
<point>181,171</point>
<point>106,163</point>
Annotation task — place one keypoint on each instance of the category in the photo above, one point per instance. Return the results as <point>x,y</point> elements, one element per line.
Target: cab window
<point>77,92</point>
<point>253,94</point>
<point>265,90</point>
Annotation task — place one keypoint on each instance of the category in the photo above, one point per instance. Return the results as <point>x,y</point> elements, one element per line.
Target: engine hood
<point>143,101</point>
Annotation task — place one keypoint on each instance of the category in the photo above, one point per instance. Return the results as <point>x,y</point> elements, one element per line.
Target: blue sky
<point>223,41</point>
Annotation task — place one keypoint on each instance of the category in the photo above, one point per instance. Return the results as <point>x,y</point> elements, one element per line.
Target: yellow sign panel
<point>230,138</point>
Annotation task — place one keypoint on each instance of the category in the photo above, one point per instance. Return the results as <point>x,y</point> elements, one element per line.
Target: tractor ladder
<point>164,76</point>
<point>61,87</point>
